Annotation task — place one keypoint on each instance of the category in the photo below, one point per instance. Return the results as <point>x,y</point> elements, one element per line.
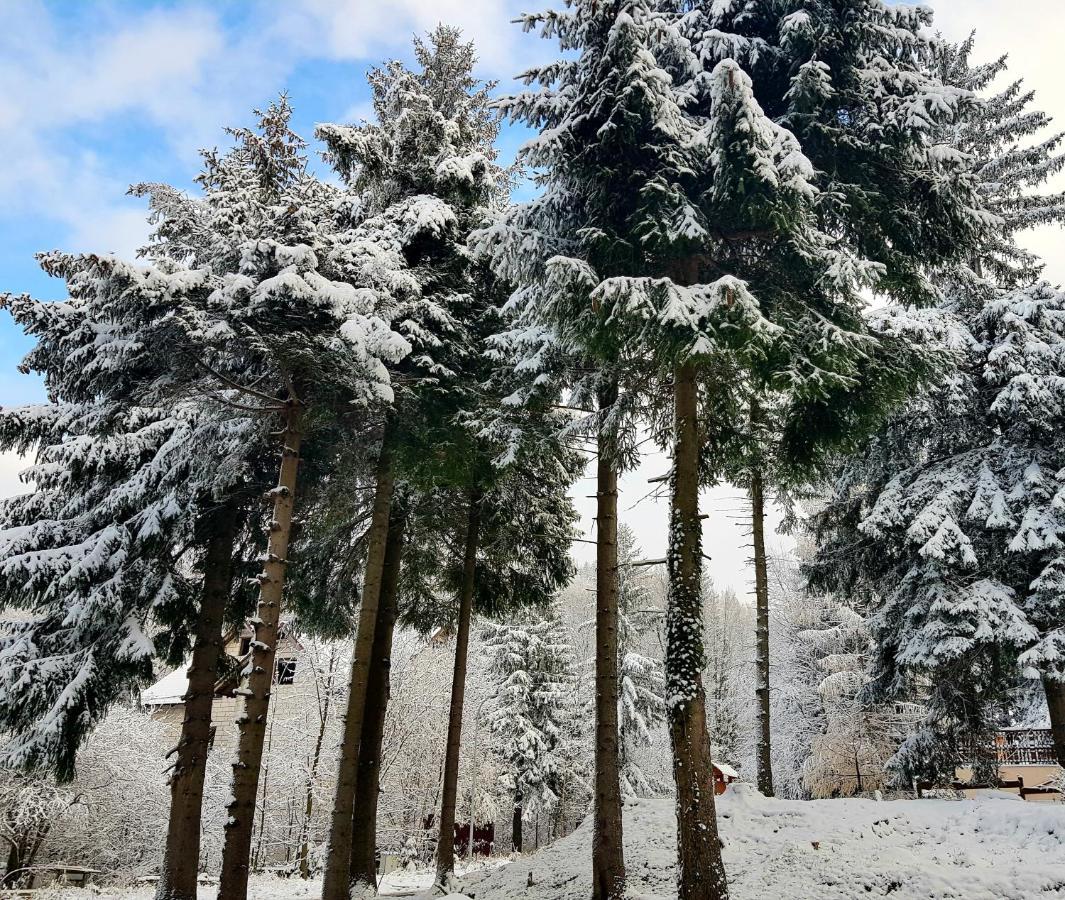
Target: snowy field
<point>993,848</point>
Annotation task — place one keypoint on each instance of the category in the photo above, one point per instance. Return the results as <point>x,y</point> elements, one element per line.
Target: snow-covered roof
<point>168,689</point>
<point>726,770</point>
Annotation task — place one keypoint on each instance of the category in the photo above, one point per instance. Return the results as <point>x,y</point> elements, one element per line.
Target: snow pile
<point>991,848</point>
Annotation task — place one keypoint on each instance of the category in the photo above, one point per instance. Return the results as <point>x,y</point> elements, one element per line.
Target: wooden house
<point>165,700</point>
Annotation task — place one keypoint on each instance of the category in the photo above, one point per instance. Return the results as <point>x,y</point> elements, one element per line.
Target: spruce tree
<point>534,714</point>
<point>426,171</point>
<point>715,198</point>
<point>641,680</point>
<point>948,514</point>
<point>237,314</point>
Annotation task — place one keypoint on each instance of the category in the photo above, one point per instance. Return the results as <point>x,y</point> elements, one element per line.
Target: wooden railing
<point>1024,747</point>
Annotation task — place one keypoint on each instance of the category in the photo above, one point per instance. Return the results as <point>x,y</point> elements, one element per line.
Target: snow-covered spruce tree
<point>425,173</point>
<point>298,309</point>
<point>948,522</point>
<point>715,194</point>
<point>234,316</point>
<point>135,515</point>
<point>534,713</point>
<point>640,678</point>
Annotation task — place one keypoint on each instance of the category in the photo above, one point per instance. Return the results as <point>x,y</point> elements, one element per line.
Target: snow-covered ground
<point>996,847</point>
<point>992,848</point>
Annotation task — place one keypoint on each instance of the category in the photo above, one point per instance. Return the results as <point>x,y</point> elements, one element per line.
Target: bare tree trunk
<point>251,720</point>
<point>368,785</point>
<point>608,856</point>
<point>14,866</point>
<point>701,874</point>
<point>336,883</point>
<point>761,592</point>
<point>1055,693</point>
<point>516,825</point>
<point>316,758</point>
<point>181,859</point>
<point>265,788</point>
<point>445,842</point>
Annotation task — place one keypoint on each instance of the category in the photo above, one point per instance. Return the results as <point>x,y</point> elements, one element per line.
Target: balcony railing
<point>1025,747</point>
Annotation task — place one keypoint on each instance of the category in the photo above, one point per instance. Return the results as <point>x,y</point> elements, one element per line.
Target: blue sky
<point>97,95</point>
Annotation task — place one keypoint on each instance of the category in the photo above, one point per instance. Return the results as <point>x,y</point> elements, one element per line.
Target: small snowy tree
<point>534,715</point>
<point>641,681</point>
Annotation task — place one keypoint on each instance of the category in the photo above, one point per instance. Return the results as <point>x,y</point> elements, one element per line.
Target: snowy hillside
<point>993,848</point>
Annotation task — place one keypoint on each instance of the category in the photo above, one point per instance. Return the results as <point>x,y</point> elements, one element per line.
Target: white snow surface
<point>995,847</point>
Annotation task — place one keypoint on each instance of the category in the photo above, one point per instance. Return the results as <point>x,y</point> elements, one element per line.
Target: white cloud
<point>185,71</point>
<point>365,29</point>
<point>10,465</point>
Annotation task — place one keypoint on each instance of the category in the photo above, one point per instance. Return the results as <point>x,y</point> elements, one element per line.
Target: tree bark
<point>181,859</point>
<point>445,842</point>
<point>701,874</point>
<point>368,785</point>
<point>515,826</point>
<point>608,855</point>
<point>233,883</point>
<point>336,884</point>
<point>761,592</point>
<point>1055,694</point>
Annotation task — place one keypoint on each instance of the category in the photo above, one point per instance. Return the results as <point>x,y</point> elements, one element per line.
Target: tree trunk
<point>445,842</point>
<point>608,856</point>
<point>316,758</point>
<point>701,874</point>
<point>251,720</point>
<point>181,859</point>
<point>336,883</point>
<point>368,784</point>
<point>516,826</point>
<point>14,866</point>
<point>761,592</point>
<point>1055,693</point>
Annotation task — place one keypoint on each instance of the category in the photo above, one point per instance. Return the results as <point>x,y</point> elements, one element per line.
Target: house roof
<point>168,689</point>
<point>726,770</point>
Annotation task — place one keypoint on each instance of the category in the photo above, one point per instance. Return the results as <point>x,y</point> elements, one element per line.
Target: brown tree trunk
<point>368,785</point>
<point>608,856</point>
<point>336,883</point>
<point>515,825</point>
<point>1055,693</point>
<point>181,859</point>
<point>761,592</point>
<point>700,872</point>
<point>251,720</point>
<point>445,842</point>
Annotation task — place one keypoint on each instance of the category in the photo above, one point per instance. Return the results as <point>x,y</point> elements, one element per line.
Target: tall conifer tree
<point>714,197</point>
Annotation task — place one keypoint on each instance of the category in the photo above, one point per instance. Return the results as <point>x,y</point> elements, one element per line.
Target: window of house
<point>286,671</point>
